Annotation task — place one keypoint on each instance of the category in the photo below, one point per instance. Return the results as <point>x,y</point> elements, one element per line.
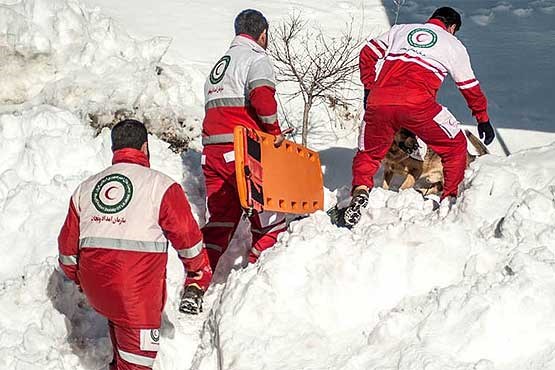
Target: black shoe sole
<point>190,306</point>
<point>353,213</point>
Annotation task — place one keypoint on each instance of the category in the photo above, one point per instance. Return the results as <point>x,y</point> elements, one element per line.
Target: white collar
<point>240,40</point>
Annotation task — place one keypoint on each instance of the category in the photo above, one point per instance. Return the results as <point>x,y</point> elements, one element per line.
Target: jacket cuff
<point>481,117</point>
<point>198,262</point>
<point>70,272</point>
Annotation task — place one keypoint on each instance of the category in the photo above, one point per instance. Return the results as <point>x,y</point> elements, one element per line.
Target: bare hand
<point>281,137</point>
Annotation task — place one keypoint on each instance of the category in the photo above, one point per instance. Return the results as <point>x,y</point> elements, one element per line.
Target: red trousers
<point>379,127</point>
<point>134,349</point>
<point>218,165</point>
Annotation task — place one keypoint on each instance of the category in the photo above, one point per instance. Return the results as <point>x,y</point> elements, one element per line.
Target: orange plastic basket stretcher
<point>286,179</point>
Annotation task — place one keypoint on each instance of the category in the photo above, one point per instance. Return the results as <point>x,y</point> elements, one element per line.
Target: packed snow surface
<point>467,287</point>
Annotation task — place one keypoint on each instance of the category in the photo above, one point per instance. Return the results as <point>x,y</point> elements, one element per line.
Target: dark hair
<point>250,22</point>
<point>448,16</point>
<point>129,133</point>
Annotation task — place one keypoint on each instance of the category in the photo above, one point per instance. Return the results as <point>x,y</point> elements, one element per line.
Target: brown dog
<point>403,171</point>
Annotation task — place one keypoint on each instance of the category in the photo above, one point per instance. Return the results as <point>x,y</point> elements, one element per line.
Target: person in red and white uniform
<point>114,243</point>
<point>402,71</point>
<point>240,91</point>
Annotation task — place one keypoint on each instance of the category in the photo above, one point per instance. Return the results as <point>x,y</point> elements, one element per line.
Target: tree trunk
<point>307,106</point>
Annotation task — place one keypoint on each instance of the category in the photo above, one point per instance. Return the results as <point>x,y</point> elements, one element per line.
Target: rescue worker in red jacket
<point>114,243</point>
<point>402,71</point>
<point>239,91</point>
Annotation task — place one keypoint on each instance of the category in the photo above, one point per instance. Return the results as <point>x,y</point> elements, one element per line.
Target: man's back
<point>121,242</point>
<point>240,90</point>
<point>416,60</point>
<point>132,191</point>
<point>117,232</point>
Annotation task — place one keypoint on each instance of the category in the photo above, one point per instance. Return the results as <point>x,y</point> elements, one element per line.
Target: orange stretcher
<point>286,179</point>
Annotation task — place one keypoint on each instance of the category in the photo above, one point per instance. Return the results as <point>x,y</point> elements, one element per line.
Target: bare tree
<point>320,66</point>
<point>398,4</point>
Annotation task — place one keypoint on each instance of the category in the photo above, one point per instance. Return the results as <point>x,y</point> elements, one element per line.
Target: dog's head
<point>406,141</point>
<point>403,145</point>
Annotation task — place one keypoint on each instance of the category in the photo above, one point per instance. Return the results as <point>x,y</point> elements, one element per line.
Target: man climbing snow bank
<point>239,91</point>
<point>114,243</point>
<point>401,93</point>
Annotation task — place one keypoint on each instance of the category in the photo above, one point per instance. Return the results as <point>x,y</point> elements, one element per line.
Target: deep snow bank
<point>45,152</point>
<point>466,288</point>
<point>58,52</point>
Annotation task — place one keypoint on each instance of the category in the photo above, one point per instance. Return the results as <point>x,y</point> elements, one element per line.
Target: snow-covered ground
<point>469,287</point>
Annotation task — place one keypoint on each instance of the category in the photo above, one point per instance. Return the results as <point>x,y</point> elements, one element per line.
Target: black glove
<point>365,100</point>
<point>486,132</point>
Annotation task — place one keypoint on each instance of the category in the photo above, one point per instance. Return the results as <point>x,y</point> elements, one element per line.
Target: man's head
<point>130,133</point>
<point>253,23</point>
<point>450,18</point>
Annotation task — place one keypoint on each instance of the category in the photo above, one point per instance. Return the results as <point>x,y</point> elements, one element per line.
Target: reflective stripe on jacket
<point>115,238</point>
<point>407,65</point>
<point>240,90</point>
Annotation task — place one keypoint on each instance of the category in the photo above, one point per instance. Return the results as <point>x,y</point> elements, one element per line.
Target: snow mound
<point>45,152</point>
<point>57,52</point>
<point>47,324</point>
<point>469,287</point>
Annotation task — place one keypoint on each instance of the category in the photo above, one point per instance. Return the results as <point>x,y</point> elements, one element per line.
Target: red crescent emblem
<point>107,192</point>
<point>418,37</point>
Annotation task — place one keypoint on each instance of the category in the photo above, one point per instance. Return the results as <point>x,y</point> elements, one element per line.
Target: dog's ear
<point>407,133</point>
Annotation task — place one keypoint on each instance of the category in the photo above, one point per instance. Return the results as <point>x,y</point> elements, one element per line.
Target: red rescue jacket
<point>115,238</point>
<point>407,65</point>
<point>240,90</point>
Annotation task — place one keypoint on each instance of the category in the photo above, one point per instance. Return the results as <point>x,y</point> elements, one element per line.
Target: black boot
<point>354,211</point>
<point>191,300</point>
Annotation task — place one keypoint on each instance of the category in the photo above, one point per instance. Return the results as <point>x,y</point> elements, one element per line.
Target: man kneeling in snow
<point>114,244</point>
